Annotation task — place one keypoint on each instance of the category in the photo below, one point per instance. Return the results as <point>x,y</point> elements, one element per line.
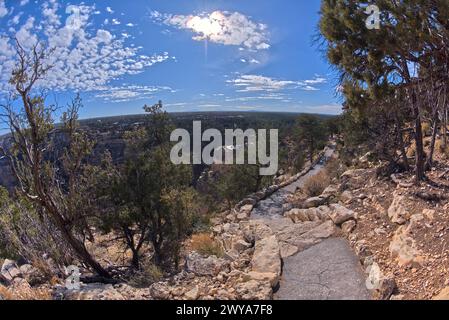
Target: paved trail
<point>326,271</point>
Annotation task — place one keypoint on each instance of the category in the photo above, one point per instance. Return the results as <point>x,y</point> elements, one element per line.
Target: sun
<point>207,26</point>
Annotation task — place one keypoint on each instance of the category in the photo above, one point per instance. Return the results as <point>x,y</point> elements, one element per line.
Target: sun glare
<point>207,26</point>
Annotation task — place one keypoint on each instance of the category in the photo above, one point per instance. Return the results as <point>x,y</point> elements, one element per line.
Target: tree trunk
<point>402,144</point>
<point>429,162</point>
<point>420,157</point>
<point>444,129</point>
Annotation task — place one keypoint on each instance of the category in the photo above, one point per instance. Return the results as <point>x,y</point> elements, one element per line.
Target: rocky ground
<point>279,244</point>
<point>402,230</point>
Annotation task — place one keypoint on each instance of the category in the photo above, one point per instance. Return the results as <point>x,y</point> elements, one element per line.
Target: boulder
<point>10,270</point>
<point>267,257</point>
<point>205,266</point>
<point>314,202</point>
<point>403,248</point>
<point>382,286</point>
<point>397,212</point>
<point>340,214</point>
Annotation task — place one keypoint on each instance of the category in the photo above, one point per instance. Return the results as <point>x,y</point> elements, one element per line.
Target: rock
<point>305,215</point>
<point>314,202</point>
<point>193,294</point>
<point>340,214</point>
<point>247,208</point>
<point>247,201</point>
<point>272,278</point>
<point>217,229</point>
<point>159,291</point>
<point>415,223</point>
<point>256,230</point>
<point>346,196</point>
<point>330,191</point>
<point>32,275</point>
<point>9,270</point>
<point>254,290</point>
<point>91,292</point>
<point>429,214</point>
<point>403,248</point>
<point>443,295</point>
<point>241,245</point>
<point>382,286</point>
<point>362,250</point>
<point>288,250</point>
<point>356,179</point>
<point>267,257</point>
<point>348,226</point>
<point>205,266</point>
<point>397,212</point>
<point>397,297</point>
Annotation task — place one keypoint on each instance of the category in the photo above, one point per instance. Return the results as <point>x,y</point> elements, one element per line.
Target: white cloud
<point>3,10</point>
<point>85,58</point>
<point>115,22</point>
<point>130,24</point>
<point>220,27</point>
<point>257,83</point>
<point>24,2</point>
<point>130,93</point>
<point>109,10</point>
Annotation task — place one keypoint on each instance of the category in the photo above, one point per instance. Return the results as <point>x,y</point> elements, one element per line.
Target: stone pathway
<point>324,269</point>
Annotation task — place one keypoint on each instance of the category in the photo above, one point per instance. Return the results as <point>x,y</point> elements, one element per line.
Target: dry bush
<point>24,293</point>
<point>426,129</point>
<point>315,185</point>
<point>205,245</point>
<point>335,168</point>
<point>148,274</point>
<point>439,148</point>
<point>411,151</point>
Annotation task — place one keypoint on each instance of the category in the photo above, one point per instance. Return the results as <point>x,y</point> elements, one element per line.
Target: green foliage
<point>148,199</point>
<point>231,183</point>
<point>311,133</point>
<point>146,276</point>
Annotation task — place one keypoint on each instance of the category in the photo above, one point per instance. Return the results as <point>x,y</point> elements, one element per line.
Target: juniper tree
<point>49,180</point>
<point>413,35</point>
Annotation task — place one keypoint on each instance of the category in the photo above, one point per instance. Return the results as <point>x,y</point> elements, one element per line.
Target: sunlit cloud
<point>220,27</point>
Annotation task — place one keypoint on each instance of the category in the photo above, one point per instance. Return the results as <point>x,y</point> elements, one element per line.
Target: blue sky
<point>194,55</point>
